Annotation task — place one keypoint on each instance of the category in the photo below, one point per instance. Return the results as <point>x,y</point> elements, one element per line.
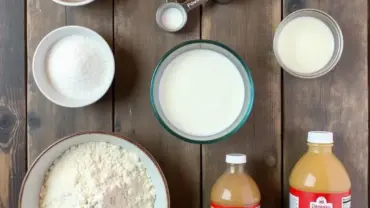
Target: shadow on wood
<point>126,75</point>
<point>180,185</point>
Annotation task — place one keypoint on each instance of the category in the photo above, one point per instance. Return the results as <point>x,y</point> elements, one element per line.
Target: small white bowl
<point>40,74</point>
<point>30,191</point>
<point>334,28</point>
<point>73,2</point>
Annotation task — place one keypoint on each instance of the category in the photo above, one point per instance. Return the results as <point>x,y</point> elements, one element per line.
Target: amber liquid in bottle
<point>319,177</point>
<point>320,164</point>
<point>235,188</point>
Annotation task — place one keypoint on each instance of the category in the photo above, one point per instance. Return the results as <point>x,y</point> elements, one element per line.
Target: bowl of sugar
<point>202,91</point>
<point>73,66</point>
<point>308,43</point>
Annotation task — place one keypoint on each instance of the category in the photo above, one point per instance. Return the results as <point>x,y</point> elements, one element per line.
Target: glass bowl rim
<point>251,92</point>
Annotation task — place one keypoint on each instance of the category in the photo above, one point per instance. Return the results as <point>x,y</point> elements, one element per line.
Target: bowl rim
<point>127,139</point>
<point>251,91</point>
<point>73,4</point>
<point>42,42</point>
<point>336,54</point>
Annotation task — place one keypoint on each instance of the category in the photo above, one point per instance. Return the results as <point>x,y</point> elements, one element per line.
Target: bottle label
<point>213,205</point>
<point>301,199</point>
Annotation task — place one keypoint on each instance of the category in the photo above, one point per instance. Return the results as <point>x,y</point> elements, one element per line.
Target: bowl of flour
<point>73,66</point>
<point>94,170</point>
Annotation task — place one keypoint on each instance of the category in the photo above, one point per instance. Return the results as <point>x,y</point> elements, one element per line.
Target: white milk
<point>305,45</point>
<point>201,92</point>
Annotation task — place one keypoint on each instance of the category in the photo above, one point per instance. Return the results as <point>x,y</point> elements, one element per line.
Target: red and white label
<point>213,205</point>
<point>301,199</point>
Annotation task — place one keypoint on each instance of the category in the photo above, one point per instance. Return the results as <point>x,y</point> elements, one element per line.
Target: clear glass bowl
<point>233,57</point>
<point>334,28</point>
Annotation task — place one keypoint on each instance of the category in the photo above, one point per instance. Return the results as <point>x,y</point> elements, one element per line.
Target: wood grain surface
<point>12,101</point>
<point>48,122</point>
<point>250,34</point>
<point>139,44</point>
<point>337,101</point>
<point>274,137</point>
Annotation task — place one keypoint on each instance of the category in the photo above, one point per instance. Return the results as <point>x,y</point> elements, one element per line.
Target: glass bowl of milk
<point>202,91</point>
<point>308,43</point>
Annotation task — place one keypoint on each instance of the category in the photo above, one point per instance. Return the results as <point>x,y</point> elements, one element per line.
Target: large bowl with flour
<point>34,179</point>
<point>202,91</point>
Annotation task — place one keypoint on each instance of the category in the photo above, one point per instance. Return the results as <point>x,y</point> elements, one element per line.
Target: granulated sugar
<point>97,175</point>
<point>77,67</point>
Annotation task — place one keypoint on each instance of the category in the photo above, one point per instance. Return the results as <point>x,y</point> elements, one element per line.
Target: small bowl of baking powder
<point>73,66</point>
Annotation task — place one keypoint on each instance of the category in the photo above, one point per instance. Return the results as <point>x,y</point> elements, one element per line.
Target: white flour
<point>97,175</point>
<point>77,67</point>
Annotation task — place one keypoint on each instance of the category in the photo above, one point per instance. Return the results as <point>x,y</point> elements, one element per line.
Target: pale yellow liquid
<point>320,171</point>
<point>235,188</point>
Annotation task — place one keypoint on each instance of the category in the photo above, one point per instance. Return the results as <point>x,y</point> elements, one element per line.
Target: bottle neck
<point>320,148</point>
<point>235,168</point>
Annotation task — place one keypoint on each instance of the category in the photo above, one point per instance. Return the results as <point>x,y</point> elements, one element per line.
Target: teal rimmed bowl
<point>228,53</point>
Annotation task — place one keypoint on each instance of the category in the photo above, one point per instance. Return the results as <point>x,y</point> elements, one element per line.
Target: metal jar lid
<point>334,28</point>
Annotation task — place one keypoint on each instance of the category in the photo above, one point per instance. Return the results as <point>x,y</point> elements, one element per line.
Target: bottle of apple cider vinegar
<point>319,180</point>
<point>235,188</point>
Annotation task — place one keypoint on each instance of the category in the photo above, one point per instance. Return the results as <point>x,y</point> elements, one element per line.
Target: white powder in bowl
<point>77,67</point>
<point>172,18</point>
<point>97,175</point>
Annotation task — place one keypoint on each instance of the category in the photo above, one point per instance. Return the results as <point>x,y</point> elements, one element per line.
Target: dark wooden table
<point>274,136</point>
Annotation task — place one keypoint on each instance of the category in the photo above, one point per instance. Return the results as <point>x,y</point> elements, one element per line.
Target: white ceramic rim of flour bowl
<point>30,191</point>
<point>234,58</point>
<point>334,28</point>
<point>73,3</point>
<point>39,71</point>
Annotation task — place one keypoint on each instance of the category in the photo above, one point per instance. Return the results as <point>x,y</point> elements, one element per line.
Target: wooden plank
<point>139,44</point>
<point>248,27</point>
<point>337,102</point>
<point>12,101</point>
<point>46,121</point>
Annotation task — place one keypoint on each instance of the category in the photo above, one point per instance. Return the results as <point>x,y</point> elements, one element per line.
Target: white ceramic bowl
<point>32,183</point>
<point>73,2</point>
<point>40,74</point>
